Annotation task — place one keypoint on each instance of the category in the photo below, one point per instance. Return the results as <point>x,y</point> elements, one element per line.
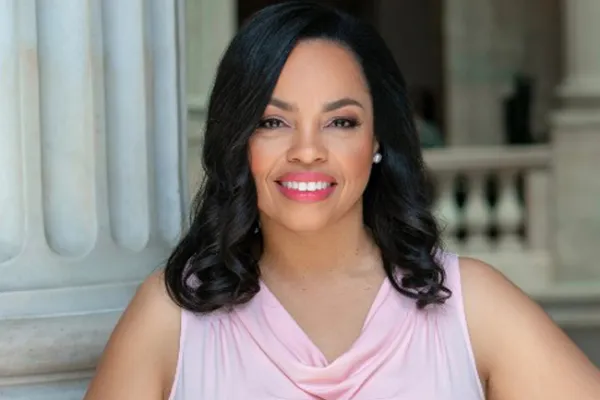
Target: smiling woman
<point>304,89</point>
<point>313,268</point>
<point>319,146</point>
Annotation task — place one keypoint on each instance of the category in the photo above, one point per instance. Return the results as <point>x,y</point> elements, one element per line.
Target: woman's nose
<point>307,147</point>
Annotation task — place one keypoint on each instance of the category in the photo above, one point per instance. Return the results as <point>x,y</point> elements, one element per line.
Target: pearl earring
<point>377,158</point>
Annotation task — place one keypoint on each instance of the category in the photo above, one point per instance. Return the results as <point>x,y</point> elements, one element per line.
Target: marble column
<point>92,178</point>
<point>576,143</point>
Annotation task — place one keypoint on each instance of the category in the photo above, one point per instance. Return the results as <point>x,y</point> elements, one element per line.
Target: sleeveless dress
<point>258,352</point>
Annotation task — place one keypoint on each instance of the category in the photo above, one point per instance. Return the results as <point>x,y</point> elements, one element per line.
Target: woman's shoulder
<point>504,322</point>
<point>522,352</point>
<point>489,300</point>
<point>152,307</point>
<point>471,276</point>
<point>474,272</point>
<point>485,291</point>
<point>143,347</point>
<point>483,284</point>
<point>153,310</point>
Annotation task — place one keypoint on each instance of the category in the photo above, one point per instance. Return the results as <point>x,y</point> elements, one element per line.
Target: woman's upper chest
<point>259,351</point>
<point>331,318</point>
<point>245,370</point>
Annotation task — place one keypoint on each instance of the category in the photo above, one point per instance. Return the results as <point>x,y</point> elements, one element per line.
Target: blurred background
<point>102,105</point>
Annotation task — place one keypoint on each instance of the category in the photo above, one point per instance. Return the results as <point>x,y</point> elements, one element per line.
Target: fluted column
<point>92,178</point>
<point>576,141</point>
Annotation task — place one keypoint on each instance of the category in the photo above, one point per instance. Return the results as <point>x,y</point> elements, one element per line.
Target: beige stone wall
<point>467,52</point>
<point>486,43</point>
<point>210,25</point>
<point>543,57</point>
<point>412,31</point>
<point>576,142</point>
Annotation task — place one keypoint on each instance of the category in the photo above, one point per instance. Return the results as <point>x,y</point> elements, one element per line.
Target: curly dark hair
<point>215,265</point>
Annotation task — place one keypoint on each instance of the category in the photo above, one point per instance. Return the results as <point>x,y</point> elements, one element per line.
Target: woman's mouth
<point>310,186</point>
<point>306,187</point>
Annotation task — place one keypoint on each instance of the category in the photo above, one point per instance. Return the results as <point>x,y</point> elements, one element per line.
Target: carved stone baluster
<point>477,214</point>
<point>447,210</point>
<point>509,212</point>
<point>537,209</point>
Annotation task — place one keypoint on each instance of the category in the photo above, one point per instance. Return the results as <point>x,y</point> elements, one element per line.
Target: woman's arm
<point>523,353</point>
<point>141,356</point>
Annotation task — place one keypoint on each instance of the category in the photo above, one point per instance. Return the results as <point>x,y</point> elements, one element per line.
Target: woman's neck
<point>345,247</point>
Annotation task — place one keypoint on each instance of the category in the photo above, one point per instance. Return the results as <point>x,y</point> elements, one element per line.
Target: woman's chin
<point>300,224</point>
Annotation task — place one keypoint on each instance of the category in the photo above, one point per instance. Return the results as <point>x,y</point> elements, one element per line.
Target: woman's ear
<point>376,154</point>
<point>375,146</point>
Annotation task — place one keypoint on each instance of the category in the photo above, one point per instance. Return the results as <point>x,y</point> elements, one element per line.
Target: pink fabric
<point>259,352</point>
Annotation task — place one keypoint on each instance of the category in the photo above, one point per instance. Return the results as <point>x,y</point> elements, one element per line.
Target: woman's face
<point>312,154</point>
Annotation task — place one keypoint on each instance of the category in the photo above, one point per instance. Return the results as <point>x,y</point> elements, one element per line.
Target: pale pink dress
<point>258,352</point>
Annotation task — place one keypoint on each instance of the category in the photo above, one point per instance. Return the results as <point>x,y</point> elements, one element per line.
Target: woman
<point>312,268</point>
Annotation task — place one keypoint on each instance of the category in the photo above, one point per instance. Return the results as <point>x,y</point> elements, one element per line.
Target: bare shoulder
<point>523,353</point>
<point>140,358</point>
<point>481,281</point>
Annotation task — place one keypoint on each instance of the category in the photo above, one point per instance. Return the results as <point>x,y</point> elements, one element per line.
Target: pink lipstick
<point>306,187</point>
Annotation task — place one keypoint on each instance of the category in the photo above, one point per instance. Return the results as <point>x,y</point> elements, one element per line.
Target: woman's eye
<point>270,123</point>
<point>344,123</point>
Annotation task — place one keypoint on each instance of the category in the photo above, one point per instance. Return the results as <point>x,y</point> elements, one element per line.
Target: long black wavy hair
<point>215,265</point>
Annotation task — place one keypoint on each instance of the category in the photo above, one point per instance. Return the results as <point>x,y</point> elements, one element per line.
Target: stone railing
<point>493,203</point>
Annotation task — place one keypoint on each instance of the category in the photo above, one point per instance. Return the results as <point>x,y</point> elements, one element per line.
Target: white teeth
<point>306,186</point>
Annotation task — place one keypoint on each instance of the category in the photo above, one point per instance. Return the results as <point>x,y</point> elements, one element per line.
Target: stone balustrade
<point>493,203</point>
